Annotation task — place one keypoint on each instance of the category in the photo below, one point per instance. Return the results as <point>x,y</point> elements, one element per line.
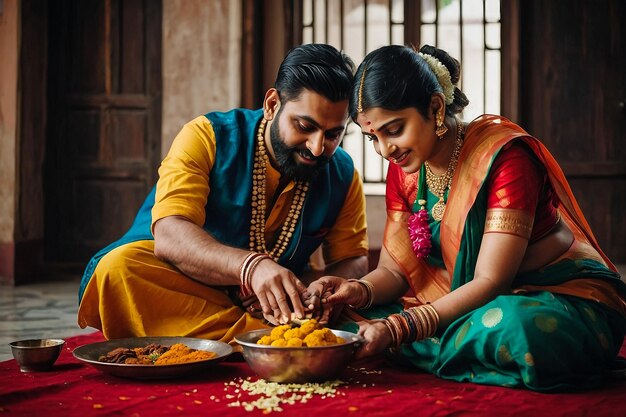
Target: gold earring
<point>441,129</point>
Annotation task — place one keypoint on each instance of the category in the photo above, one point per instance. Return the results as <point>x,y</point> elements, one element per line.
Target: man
<point>243,200</point>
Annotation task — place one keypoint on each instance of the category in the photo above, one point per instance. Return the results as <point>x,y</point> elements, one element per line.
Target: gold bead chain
<point>438,184</point>
<point>257,221</point>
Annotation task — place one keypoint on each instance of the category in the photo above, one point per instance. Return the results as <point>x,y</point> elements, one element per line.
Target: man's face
<point>305,133</point>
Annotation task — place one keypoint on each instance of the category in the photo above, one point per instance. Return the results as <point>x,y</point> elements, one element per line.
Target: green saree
<point>562,325</point>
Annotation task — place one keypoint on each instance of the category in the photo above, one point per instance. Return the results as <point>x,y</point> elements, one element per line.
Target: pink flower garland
<point>419,231</point>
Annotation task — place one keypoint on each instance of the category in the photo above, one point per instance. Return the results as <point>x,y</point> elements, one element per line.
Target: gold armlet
<point>398,216</point>
<point>511,221</point>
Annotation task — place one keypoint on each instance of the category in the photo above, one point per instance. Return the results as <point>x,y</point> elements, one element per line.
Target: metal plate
<point>91,352</point>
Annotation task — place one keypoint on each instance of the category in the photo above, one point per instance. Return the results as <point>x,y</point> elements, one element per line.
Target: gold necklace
<point>438,184</point>
<point>257,221</point>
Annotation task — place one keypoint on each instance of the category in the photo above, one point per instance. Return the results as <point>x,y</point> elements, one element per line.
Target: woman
<point>503,281</point>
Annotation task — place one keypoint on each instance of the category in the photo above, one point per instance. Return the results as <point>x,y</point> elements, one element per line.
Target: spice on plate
<point>155,354</point>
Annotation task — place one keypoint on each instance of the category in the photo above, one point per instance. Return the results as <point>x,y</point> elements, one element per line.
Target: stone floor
<point>47,310</point>
<point>38,311</point>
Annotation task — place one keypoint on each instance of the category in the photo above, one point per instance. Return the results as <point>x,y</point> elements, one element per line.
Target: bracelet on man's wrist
<point>247,268</point>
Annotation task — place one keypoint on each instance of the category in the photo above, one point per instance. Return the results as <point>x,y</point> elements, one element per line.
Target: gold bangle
<point>434,317</point>
<point>392,332</point>
<point>252,267</point>
<point>245,270</point>
<point>426,320</point>
<point>420,323</point>
<point>369,290</point>
<point>242,272</point>
<point>397,325</point>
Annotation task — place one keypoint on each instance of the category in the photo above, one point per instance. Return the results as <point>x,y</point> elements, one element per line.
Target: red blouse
<point>518,181</point>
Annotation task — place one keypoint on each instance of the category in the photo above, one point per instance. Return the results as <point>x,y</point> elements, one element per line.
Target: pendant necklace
<point>438,184</point>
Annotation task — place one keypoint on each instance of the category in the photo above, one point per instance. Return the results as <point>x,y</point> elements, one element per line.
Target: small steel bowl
<point>36,354</point>
<point>297,364</point>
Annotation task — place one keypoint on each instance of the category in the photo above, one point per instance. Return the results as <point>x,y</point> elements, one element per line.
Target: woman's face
<point>403,137</point>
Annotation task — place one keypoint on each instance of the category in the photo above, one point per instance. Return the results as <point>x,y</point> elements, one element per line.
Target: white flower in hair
<point>442,74</point>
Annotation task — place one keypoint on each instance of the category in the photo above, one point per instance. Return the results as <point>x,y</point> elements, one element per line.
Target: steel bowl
<point>36,354</point>
<point>297,364</point>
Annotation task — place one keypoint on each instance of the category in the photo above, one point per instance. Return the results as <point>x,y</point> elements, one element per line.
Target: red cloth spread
<point>375,388</point>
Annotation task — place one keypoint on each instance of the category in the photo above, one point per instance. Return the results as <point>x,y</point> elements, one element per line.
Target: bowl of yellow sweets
<point>301,353</point>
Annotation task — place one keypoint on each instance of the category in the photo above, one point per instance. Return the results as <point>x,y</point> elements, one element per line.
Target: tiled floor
<point>47,310</point>
<point>38,311</point>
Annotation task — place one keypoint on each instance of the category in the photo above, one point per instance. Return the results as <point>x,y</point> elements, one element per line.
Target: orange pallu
<point>462,222</point>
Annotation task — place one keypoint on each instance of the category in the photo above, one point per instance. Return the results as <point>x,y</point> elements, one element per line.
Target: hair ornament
<point>359,106</point>
<point>442,74</point>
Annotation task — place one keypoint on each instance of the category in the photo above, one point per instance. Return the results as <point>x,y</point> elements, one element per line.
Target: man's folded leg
<point>132,293</point>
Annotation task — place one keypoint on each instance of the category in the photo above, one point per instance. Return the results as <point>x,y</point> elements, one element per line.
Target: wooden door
<point>104,118</point>
<point>573,91</point>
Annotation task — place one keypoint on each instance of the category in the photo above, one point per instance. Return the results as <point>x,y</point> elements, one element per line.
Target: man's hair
<point>317,67</point>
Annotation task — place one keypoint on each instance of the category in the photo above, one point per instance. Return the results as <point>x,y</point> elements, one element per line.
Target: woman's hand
<point>278,290</point>
<point>376,338</point>
<point>314,298</point>
<point>326,297</point>
<point>312,301</point>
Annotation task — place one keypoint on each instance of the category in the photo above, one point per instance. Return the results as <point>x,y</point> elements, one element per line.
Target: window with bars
<point>467,29</point>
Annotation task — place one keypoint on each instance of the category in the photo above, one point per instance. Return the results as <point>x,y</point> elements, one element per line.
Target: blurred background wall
<point>92,92</point>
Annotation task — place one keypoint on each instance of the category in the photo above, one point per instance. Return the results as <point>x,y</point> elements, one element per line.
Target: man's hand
<point>278,290</point>
<point>250,303</point>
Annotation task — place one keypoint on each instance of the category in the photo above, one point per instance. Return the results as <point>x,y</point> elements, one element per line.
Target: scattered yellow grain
<point>271,396</point>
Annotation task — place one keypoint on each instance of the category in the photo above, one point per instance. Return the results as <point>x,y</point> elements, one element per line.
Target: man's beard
<point>286,159</point>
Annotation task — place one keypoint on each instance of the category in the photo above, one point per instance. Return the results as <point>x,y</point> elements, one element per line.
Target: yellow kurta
<point>132,293</point>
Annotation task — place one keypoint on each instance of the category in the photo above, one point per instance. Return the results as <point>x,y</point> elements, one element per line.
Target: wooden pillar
<point>9,44</point>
